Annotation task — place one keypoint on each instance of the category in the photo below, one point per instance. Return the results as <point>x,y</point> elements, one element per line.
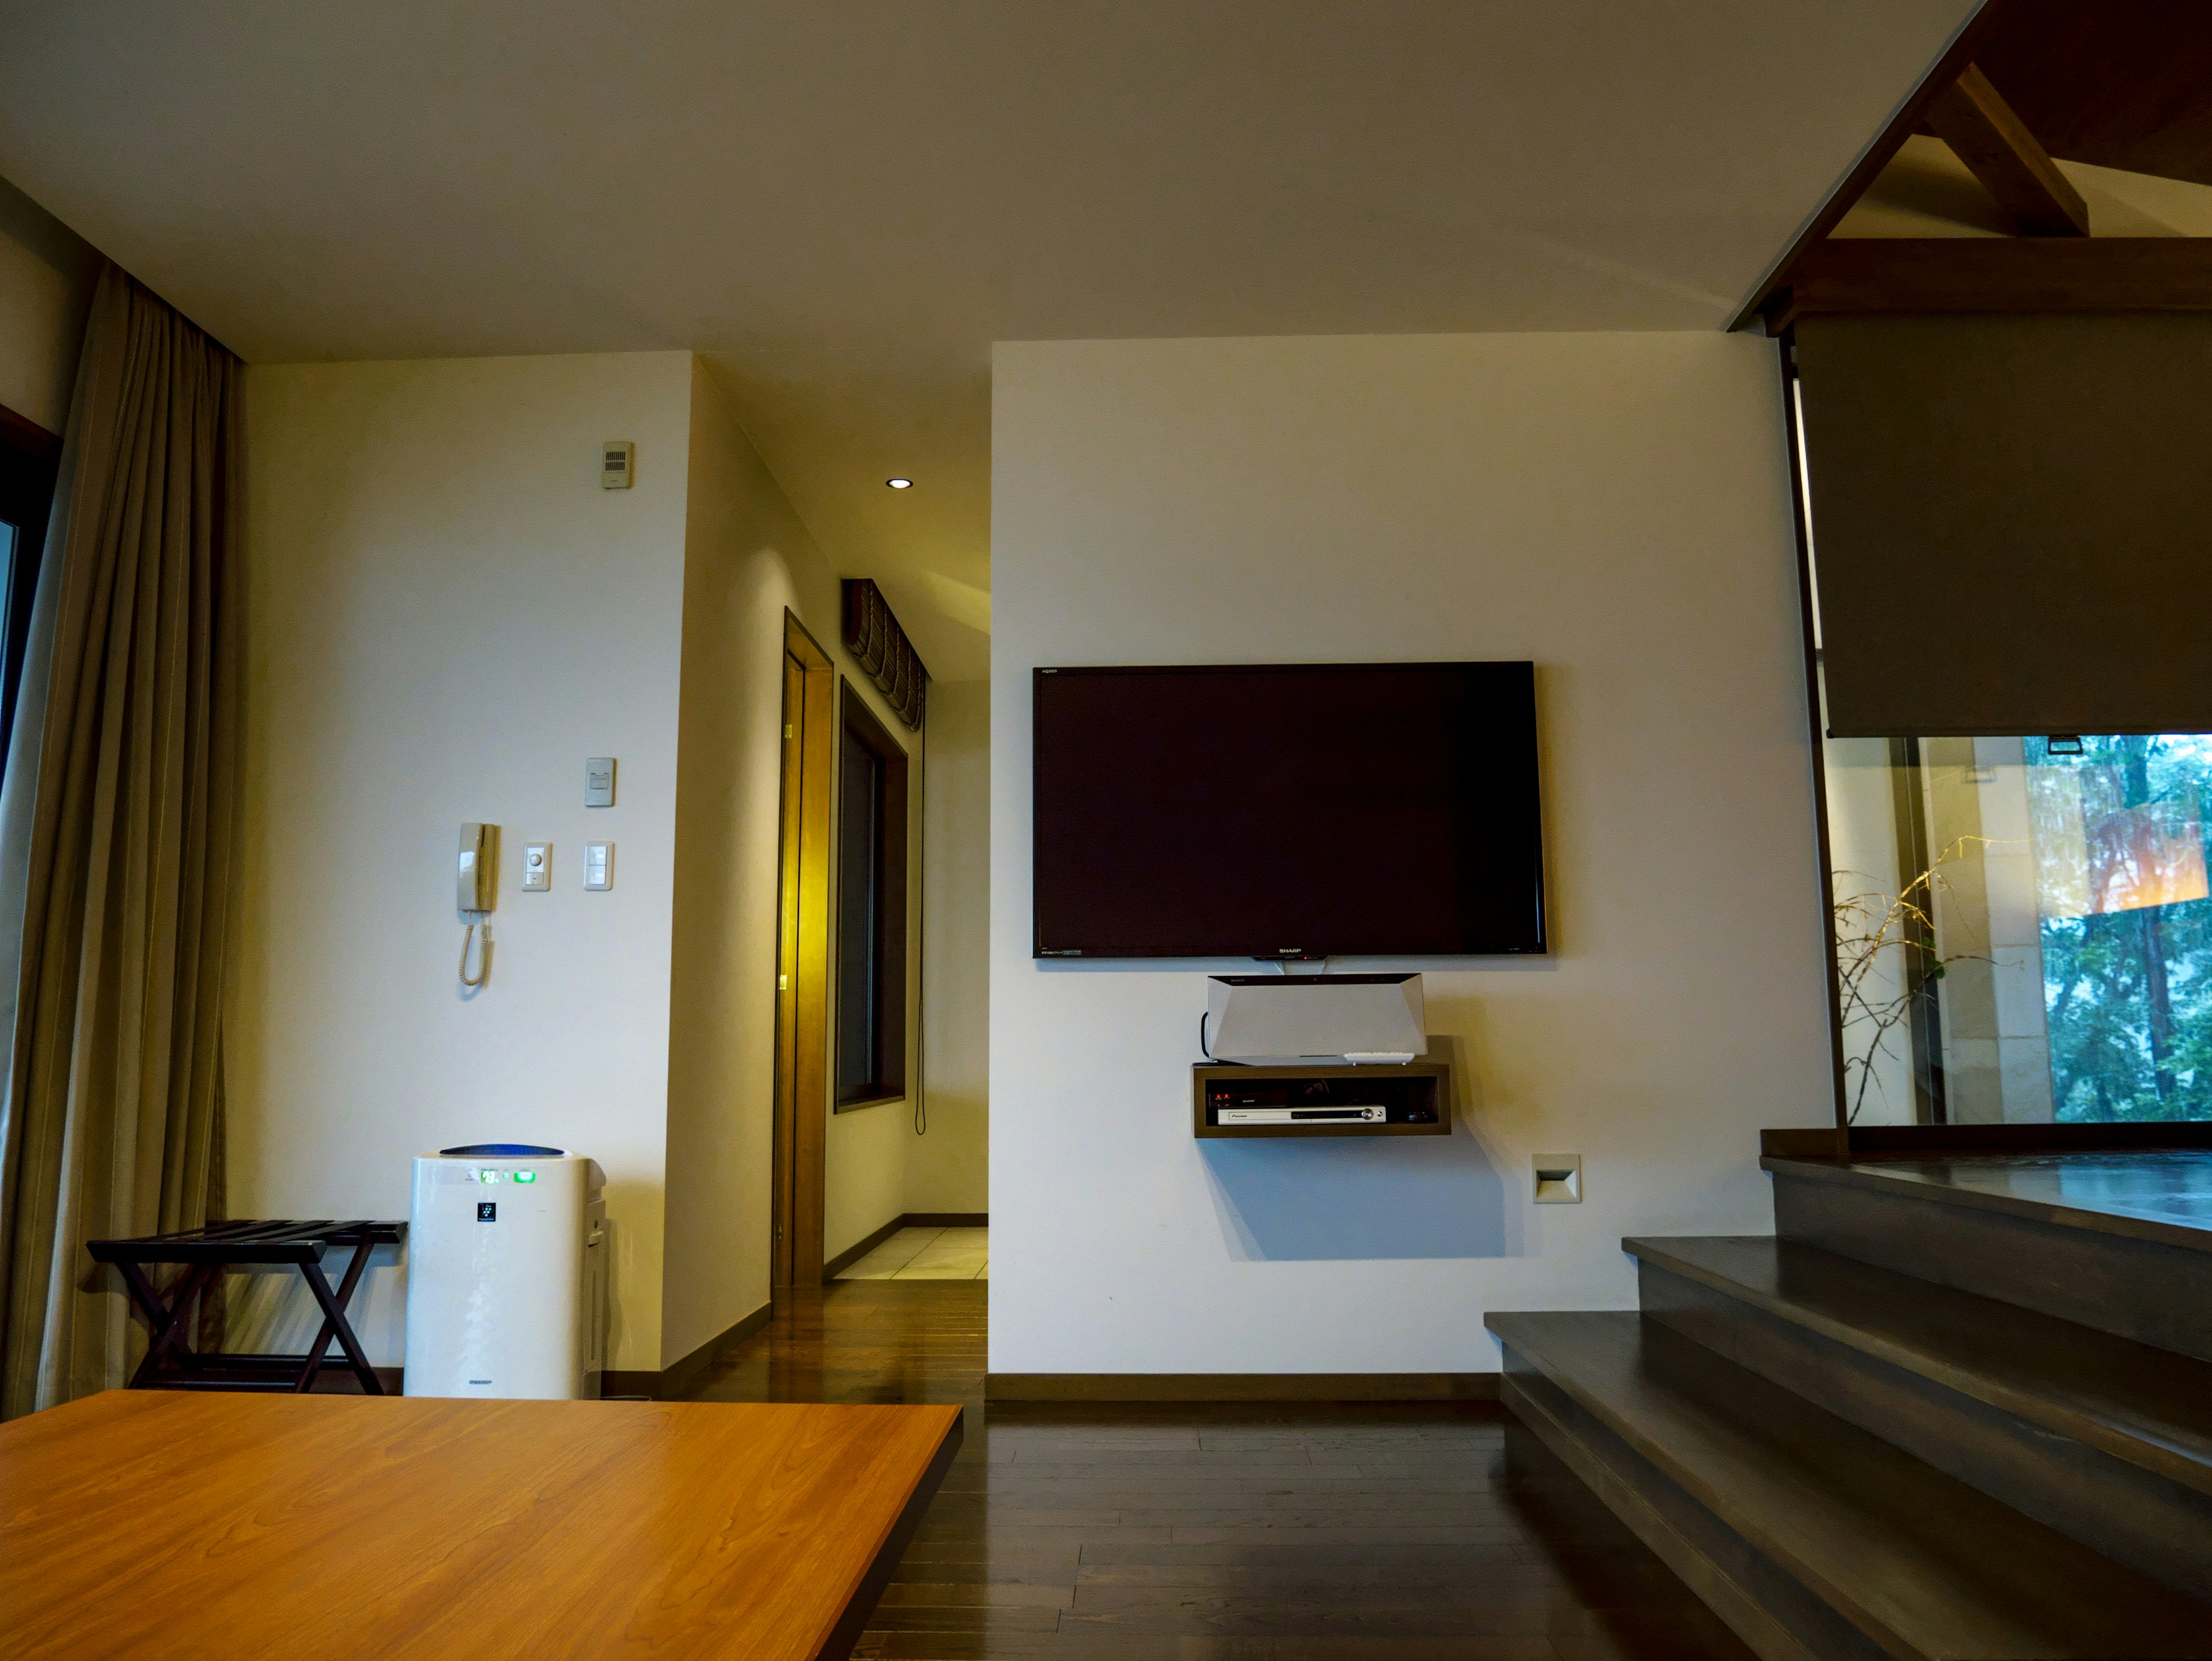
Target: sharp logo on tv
<point>1388,810</point>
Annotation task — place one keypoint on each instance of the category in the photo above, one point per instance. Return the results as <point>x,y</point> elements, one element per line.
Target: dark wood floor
<point>1210,1533</point>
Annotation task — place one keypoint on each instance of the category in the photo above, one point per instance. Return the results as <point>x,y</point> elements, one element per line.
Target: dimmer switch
<point>537,867</point>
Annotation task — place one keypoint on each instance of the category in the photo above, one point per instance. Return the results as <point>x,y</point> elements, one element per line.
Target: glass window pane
<point>2026,934</point>
<point>858,868</point>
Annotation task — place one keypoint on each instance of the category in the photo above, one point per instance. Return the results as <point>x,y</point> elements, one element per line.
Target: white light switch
<point>599,864</point>
<point>537,867</point>
<point>599,781</point>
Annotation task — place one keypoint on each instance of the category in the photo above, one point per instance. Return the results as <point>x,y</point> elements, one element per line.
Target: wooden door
<point>802,999</point>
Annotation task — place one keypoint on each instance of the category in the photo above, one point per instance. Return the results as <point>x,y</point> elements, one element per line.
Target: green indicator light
<point>526,1176</point>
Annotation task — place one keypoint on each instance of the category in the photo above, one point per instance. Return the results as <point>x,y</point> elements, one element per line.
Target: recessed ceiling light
<point>900,483</point>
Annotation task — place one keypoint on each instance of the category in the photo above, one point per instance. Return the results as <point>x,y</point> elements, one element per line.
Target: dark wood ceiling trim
<point>1972,118</point>
<point>26,434</point>
<point>1999,274</point>
<point>1907,119</point>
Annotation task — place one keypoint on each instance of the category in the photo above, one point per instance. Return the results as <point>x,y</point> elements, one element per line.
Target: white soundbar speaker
<point>507,1274</point>
<point>1278,1020</point>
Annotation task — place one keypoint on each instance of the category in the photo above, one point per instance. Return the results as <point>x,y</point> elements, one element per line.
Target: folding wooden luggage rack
<point>171,1363</point>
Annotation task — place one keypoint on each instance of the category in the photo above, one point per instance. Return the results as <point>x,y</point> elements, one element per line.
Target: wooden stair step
<point>2146,1405</point>
<point>1812,1537</point>
<point>2102,1438</point>
<point>2118,1240</point>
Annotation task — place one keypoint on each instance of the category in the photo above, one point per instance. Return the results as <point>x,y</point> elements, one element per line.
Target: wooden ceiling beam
<point>1972,34</point>
<point>1997,274</point>
<point>1972,118</point>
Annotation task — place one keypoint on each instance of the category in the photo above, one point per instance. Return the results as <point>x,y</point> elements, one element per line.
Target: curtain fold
<point>117,815</point>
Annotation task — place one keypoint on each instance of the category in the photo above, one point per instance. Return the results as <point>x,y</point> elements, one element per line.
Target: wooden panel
<point>25,434</point>
<point>2134,1287</point>
<point>2161,1194</point>
<point>1793,1506</point>
<point>2138,1404</point>
<point>1965,47</point>
<point>1803,1144</point>
<point>340,1527</point>
<point>784,1152</point>
<point>810,1076</point>
<point>1435,1076</point>
<point>2121,86</point>
<point>1764,1608</point>
<point>1932,1139</point>
<point>1999,274</point>
<point>2112,1505</point>
<point>810,761</point>
<point>1972,118</point>
<point>1241,1387</point>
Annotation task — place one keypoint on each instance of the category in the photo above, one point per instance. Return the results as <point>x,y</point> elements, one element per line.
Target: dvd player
<point>1364,1115</point>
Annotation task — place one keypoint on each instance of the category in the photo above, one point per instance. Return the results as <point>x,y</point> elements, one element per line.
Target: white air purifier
<point>506,1273</point>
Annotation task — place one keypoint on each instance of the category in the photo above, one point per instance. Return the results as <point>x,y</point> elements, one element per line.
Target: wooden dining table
<point>326,1528</point>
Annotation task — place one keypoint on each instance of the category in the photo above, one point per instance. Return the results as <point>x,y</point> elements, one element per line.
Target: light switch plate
<point>537,867</point>
<point>599,781</point>
<point>1559,1178</point>
<point>599,866</point>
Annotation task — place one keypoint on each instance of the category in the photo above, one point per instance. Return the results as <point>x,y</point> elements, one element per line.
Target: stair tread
<point>2163,1194</point>
<point>2149,1406</point>
<point>1923,1564</point>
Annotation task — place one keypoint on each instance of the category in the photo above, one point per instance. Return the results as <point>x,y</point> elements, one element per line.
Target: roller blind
<point>2012,521</point>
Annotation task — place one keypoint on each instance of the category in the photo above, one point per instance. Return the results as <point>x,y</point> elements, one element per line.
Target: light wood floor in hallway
<point>1206,1533</point>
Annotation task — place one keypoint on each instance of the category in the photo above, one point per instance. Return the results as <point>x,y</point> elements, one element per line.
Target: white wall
<point>748,559</point>
<point>447,615</point>
<point>46,276</point>
<point>1614,507</point>
<point>948,1170</point>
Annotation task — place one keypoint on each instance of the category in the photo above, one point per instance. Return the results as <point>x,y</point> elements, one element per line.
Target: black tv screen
<point>1290,810</point>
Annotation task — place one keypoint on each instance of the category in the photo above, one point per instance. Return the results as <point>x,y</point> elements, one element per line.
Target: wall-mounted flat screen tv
<point>1287,811</point>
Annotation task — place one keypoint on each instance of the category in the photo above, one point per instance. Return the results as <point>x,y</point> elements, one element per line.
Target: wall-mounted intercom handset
<point>477,893</point>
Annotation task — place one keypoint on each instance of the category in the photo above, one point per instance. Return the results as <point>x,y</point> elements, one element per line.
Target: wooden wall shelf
<point>1416,1096</point>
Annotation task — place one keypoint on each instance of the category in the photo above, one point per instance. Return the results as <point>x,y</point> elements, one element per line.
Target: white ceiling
<point>843,203</point>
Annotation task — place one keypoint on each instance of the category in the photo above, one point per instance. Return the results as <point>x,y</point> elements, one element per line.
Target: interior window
<point>871,994</point>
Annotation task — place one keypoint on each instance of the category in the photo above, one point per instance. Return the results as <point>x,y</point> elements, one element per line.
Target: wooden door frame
<point>802,1001</point>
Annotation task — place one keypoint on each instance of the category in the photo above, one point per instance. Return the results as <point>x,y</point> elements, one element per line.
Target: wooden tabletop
<point>152,1523</point>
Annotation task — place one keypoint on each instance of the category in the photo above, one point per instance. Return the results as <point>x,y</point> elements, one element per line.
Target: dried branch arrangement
<point>1869,925</point>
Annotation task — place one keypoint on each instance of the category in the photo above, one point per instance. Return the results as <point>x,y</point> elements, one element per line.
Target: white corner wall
<point>948,1169</point>
<point>447,616</point>
<point>1613,507</point>
<point>748,560</point>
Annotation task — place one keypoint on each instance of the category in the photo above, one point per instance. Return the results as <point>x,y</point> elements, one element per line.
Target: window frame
<point>887,951</point>
<point>30,464</point>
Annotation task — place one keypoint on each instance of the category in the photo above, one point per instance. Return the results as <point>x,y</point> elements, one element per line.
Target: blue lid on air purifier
<point>504,1151</point>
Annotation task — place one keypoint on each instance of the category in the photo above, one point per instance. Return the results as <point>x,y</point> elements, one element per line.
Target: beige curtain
<point>116,817</point>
